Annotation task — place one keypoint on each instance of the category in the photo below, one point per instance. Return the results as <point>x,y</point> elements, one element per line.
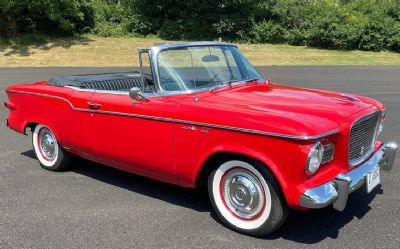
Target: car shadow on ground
<point>303,227</point>
<point>316,225</point>
<point>189,198</point>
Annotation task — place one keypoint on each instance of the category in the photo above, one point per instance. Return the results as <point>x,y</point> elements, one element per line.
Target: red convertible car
<point>201,114</point>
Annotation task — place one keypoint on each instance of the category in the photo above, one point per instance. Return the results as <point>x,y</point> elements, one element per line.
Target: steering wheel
<point>218,73</point>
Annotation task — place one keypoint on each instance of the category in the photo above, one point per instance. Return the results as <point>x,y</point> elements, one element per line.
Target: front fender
<point>193,152</point>
<point>260,156</point>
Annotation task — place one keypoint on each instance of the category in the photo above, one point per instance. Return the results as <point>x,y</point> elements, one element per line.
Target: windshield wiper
<point>249,80</point>
<point>229,83</point>
<point>223,83</point>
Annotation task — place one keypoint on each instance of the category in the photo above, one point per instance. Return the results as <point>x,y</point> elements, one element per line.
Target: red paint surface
<point>165,151</point>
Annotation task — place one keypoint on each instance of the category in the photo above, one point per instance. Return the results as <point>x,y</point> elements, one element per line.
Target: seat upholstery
<point>122,81</point>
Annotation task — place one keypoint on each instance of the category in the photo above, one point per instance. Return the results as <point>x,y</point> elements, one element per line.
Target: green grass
<point>92,50</point>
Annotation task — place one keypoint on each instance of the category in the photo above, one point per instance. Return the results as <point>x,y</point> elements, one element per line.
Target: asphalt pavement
<point>94,206</point>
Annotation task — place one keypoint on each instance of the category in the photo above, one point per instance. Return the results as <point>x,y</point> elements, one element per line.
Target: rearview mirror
<point>210,58</point>
<point>136,94</point>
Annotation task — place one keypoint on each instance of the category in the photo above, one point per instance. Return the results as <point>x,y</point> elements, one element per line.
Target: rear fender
<point>43,121</point>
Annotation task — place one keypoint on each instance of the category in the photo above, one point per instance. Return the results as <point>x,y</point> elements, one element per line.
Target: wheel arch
<point>31,123</point>
<point>211,163</point>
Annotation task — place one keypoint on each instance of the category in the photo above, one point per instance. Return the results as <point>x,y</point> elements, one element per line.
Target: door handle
<point>93,106</point>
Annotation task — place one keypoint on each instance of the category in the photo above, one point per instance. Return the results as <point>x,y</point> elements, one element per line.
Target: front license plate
<point>373,179</point>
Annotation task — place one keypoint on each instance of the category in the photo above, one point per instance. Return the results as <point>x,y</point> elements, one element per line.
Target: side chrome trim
<point>80,89</point>
<point>257,132</point>
<point>43,95</point>
<point>128,115</point>
<point>180,121</point>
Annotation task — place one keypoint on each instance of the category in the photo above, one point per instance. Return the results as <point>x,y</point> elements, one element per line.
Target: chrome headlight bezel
<point>314,159</point>
<point>379,129</point>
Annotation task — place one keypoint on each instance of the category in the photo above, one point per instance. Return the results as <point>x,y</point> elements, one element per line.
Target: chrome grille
<point>362,138</point>
<point>328,153</point>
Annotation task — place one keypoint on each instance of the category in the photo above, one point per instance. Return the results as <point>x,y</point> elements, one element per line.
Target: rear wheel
<point>49,153</point>
<point>246,197</point>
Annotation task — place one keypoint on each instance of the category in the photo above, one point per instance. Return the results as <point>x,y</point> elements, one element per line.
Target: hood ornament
<point>350,97</point>
<point>347,97</point>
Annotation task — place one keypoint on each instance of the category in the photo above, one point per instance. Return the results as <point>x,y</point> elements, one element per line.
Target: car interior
<point>121,81</point>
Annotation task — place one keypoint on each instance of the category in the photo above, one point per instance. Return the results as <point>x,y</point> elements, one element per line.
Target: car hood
<point>275,108</point>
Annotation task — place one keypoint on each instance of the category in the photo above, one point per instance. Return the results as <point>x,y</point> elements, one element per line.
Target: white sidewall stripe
<point>243,224</point>
<point>35,137</point>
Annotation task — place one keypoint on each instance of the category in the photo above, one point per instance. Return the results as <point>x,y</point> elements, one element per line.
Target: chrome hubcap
<point>243,193</point>
<point>47,144</point>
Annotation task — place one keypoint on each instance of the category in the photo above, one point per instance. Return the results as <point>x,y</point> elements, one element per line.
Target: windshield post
<point>141,51</point>
<point>193,72</point>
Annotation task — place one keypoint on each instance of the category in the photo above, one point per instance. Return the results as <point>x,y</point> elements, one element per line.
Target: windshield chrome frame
<point>156,50</point>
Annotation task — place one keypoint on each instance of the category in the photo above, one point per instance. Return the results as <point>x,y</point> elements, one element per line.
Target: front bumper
<point>336,191</point>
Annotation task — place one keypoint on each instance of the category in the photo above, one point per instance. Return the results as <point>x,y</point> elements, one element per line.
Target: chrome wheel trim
<point>47,144</point>
<point>225,212</point>
<point>243,193</point>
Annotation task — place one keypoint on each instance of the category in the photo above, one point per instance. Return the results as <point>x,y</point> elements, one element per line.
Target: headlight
<point>314,158</point>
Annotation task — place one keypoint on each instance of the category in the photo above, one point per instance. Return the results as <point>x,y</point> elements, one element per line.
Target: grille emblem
<point>362,150</point>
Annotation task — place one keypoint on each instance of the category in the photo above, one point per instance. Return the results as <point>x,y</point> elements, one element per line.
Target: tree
<point>64,16</point>
<point>191,19</point>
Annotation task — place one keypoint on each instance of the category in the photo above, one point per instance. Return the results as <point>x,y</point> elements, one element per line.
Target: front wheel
<point>247,198</point>
<point>49,153</point>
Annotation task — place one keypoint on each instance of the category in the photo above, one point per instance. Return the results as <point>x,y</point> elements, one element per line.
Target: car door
<point>136,136</point>
<point>74,122</point>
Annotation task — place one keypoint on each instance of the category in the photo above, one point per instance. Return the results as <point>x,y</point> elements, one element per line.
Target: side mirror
<point>136,94</point>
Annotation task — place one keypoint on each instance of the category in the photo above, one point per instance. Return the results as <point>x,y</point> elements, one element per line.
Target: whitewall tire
<point>246,197</point>
<point>49,153</point>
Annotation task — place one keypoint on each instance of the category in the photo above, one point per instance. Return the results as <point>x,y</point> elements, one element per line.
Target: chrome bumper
<point>336,191</point>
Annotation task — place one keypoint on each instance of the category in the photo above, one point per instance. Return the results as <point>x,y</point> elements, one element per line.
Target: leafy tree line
<point>46,16</point>
<point>340,24</point>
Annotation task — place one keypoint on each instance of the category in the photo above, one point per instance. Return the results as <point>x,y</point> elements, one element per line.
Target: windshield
<point>193,68</point>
